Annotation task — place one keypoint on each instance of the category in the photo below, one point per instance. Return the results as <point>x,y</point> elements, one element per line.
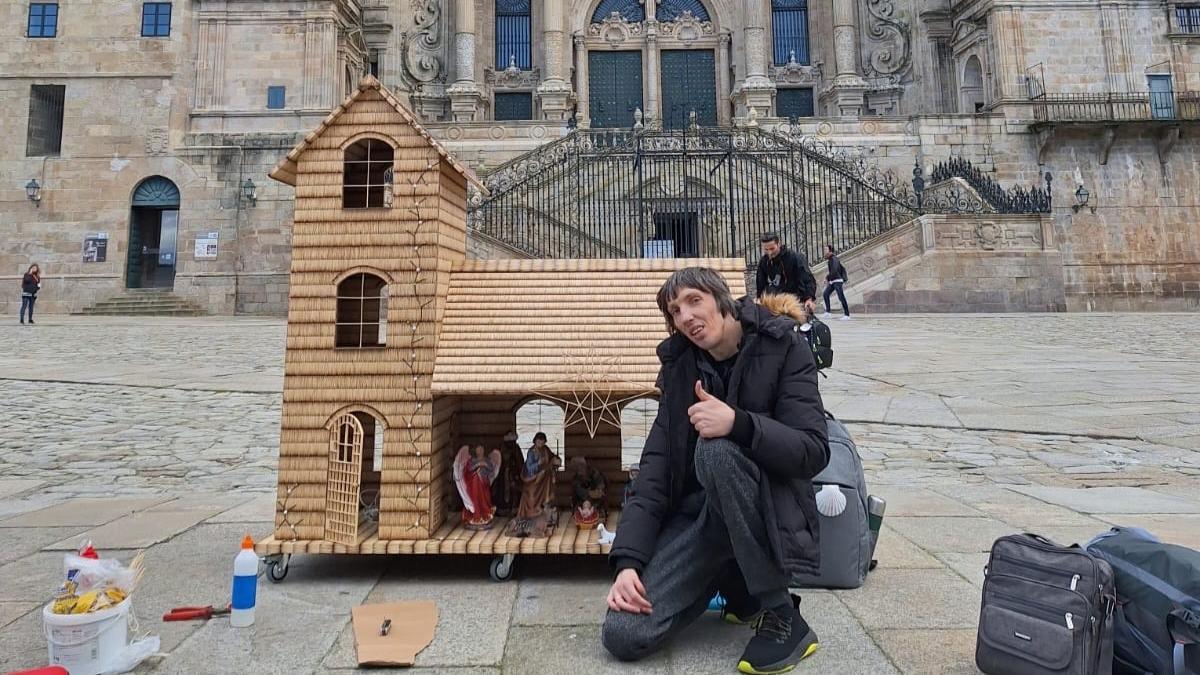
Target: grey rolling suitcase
<point>1047,610</point>
<point>845,539</point>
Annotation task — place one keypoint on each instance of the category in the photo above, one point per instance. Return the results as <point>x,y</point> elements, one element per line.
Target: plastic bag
<point>134,653</point>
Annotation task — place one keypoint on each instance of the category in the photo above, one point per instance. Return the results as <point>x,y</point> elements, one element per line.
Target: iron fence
<point>1118,107</point>
<point>694,192</point>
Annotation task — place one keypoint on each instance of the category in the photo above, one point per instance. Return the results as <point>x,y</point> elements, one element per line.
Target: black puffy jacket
<point>775,382</point>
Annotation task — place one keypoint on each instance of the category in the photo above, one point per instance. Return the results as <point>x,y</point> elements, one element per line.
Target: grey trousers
<point>724,545</point>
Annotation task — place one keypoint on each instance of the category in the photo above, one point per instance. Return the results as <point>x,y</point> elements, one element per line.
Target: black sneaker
<point>782,639</point>
<point>740,616</point>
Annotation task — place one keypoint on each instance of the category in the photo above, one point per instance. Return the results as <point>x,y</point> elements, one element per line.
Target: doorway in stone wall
<point>153,233</point>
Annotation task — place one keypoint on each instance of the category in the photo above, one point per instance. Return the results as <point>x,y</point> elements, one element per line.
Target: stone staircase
<point>143,302</point>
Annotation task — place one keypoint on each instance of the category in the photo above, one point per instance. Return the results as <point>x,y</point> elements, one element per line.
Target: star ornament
<point>593,392</point>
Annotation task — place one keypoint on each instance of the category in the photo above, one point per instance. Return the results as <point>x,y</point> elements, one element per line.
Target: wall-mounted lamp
<point>249,191</point>
<point>34,192</point>
<point>1081,199</point>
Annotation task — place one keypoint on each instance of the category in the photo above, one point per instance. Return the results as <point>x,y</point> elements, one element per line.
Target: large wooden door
<point>614,88</point>
<point>343,479</point>
<point>688,84</point>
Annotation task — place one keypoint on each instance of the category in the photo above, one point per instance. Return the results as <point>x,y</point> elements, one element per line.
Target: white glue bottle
<point>245,584</point>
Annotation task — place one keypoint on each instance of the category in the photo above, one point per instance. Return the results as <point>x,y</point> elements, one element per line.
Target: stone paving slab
<point>893,550</point>
<point>11,611</point>
<point>954,535</point>
<point>82,511</point>
<point>18,542</point>
<point>558,602</point>
<point>917,502</point>
<point>911,599</point>
<point>968,565</point>
<point>135,531</point>
<point>1111,500</point>
<point>930,652</point>
<point>258,509</point>
<point>14,487</point>
<point>570,649</point>
<point>469,604</point>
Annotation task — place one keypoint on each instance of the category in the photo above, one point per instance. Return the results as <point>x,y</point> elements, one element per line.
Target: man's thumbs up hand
<point>709,415</point>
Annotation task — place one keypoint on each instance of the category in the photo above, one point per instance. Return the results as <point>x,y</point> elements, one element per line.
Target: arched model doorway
<point>153,230</point>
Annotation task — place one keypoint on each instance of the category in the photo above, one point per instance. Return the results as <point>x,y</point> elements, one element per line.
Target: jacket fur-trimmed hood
<point>784,304</point>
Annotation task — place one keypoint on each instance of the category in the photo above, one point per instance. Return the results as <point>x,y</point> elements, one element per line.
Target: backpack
<point>1157,627</point>
<point>820,340</point>
<point>846,540</point>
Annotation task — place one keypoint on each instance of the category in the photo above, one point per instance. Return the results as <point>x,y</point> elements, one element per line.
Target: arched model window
<point>512,34</point>
<point>367,175</point>
<point>362,312</point>
<point>789,25</point>
<point>637,418</point>
<point>630,10</point>
<point>547,417</point>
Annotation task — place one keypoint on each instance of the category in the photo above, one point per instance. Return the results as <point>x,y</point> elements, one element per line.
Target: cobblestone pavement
<point>970,426</point>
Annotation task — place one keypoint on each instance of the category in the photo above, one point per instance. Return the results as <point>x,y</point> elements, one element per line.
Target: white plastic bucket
<point>85,643</point>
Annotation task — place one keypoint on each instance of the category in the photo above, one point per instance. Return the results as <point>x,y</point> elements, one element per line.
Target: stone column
<point>465,95</point>
<point>758,90</point>
<point>554,92</point>
<point>723,87</point>
<point>846,94</point>
<point>583,113</point>
<point>651,74</point>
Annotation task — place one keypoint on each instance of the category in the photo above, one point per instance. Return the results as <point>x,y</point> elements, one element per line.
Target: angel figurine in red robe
<point>474,472</point>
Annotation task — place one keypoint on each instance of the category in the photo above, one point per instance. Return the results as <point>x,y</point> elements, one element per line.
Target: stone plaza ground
<point>162,434</point>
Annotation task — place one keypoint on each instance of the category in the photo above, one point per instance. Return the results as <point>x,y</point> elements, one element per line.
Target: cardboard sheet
<point>413,624</point>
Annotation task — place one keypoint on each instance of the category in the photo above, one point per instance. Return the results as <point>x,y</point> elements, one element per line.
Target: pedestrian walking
<point>782,270</point>
<point>31,283</point>
<point>835,279</point>
<point>724,499</point>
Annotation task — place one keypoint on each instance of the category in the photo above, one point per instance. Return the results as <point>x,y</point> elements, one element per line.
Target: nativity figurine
<point>474,472</point>
<point>536,515</point>
<point>506,490</point>
<point>589,491</point>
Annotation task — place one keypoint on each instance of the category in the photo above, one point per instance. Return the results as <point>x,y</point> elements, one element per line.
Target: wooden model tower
<point>380,219</point>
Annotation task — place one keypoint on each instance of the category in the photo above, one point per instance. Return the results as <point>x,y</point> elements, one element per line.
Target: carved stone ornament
<point>796,73</point>
<point>889,39</point>
<point>512,77</point>
<point>421,51</point>
<point>615,30</point>
<point>687,28</point>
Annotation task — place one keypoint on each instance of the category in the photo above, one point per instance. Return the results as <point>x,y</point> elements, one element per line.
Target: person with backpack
<point>31,283</point>
<point>782,270</point>
<point>835,279</point>
<point>724,497</point>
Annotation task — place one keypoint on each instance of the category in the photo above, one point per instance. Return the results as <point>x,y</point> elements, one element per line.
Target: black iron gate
<point>711,192</point>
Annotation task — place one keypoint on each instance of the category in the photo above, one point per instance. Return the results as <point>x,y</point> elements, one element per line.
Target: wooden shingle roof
<point>512,326</point>
<point>285,171</point>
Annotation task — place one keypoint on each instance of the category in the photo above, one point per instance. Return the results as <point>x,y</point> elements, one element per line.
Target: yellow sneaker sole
<point>745,667</point>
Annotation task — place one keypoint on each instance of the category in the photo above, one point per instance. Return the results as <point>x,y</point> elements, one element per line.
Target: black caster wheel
<point>501,568</point>
<point>277,570</point>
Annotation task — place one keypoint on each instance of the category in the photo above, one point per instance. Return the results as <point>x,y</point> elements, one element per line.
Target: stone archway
<point>153,234</point>
<point>971,94</point>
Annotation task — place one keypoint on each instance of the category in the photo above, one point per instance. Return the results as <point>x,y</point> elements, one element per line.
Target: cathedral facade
<point>142,132</point>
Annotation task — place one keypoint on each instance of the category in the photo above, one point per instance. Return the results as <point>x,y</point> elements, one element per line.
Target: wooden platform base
<point>454,538</point>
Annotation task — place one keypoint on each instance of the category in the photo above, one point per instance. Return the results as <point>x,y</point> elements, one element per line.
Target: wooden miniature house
<point>399,348</point>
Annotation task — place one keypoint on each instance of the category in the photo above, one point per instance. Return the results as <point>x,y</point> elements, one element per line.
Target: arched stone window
<point>629,10</point>
<point>361,311</point>
<point>673,10</point>
<point>367,175</point>
<point>547,417</point>
<point>513,29</point>
<point>789,27</point>
<point>637,418</point>
<point>971,93</point>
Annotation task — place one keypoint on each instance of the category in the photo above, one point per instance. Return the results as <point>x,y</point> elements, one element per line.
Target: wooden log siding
<point>394,379</point>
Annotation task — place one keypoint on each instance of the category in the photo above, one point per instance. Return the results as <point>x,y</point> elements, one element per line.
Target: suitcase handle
<point>1040,538</point>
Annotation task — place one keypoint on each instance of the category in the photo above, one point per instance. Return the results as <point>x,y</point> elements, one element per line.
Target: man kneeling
<point>723,497</point>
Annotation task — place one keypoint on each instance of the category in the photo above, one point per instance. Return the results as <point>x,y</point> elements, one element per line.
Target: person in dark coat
<point>835,279</point>
<point>724,499</point>
<point>31,283</point>
<point>782,270</point>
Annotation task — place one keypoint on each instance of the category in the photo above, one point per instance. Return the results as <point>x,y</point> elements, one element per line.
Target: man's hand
<point>811,305</point>
<point>711,417</point>
<point>627,593</point>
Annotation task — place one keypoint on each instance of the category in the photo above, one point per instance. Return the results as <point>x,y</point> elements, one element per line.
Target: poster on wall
<point>95,247</point>
<point>206,246</point>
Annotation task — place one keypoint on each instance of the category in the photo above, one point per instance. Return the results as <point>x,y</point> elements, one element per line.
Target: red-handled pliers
<point>189,613</point>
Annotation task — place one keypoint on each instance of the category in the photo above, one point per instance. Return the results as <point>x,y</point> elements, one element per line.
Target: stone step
<point>150,312</point>
<point>145,302</point>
